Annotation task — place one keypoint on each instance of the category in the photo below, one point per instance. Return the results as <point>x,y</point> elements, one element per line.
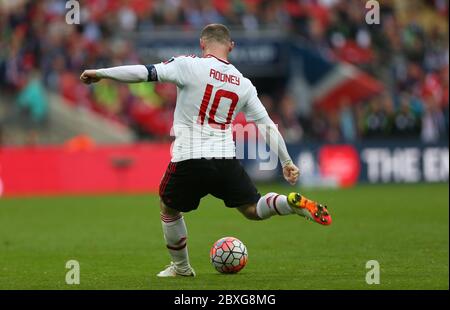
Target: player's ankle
<point>182,267</point>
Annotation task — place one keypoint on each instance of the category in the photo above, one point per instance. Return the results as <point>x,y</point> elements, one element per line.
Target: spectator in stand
<point>290,127</point>
<point>333,133</point>
<point>406,124</point>
<point>32,100</point>
<point>347,121</point>
<point>433,122</point>
<point>377,120</point>
<point>319,125</point>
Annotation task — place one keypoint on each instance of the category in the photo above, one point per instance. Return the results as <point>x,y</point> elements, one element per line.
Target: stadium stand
<point>407,53</point>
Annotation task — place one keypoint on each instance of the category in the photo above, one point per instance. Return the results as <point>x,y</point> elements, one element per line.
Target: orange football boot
<point>309,209</point>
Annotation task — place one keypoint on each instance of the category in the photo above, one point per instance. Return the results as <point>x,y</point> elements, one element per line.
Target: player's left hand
<point>291,173</point>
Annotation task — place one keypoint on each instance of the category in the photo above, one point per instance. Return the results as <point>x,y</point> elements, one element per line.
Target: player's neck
<point>220,54</point>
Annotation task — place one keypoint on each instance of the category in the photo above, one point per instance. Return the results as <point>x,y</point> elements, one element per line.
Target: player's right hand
<point>291,173</point>
<point>89,76</point>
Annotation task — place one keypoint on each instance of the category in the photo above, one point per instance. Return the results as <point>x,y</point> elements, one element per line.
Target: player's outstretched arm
<point>276,143</point>
<point>126,74</point>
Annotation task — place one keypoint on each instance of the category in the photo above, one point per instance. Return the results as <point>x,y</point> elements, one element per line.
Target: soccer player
<point>211,91</point>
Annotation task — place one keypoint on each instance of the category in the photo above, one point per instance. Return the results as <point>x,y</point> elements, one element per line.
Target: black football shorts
<point>186,182</point>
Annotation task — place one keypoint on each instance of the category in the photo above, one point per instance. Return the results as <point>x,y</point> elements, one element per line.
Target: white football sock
<point>272,204</point>
<point>175,234</point>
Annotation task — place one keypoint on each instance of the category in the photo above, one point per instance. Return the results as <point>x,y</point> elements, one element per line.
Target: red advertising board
<point>340,162</point>
<point>103,169</point>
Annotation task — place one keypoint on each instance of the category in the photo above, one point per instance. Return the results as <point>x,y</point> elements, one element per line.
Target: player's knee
<point>166,210</point>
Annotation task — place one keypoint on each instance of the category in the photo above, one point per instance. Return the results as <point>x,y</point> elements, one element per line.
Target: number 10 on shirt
<point>220,93</point>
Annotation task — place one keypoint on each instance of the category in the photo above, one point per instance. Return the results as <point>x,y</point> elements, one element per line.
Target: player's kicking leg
<point>238,190</point>
<point>276,204</point>
<point>175,234</point>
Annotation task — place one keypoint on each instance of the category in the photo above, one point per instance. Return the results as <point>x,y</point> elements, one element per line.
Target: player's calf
<point>175,235</point>
<point>273,204</point>
<point>249,211</point>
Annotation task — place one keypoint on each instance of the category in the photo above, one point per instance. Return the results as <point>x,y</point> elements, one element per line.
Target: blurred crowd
<point>407,52</point>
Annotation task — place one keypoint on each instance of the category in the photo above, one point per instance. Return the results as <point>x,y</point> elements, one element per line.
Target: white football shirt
<point>210,93</point>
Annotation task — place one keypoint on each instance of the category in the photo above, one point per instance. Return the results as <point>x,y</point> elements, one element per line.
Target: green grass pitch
<point>118,241</point>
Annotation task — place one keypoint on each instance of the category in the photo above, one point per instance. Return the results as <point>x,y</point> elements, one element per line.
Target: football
<point>228,255</point>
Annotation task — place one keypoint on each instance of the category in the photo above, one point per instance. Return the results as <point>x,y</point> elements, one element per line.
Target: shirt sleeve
<point>254,109</point>
<point>274,139</point>
<point>127,74</point>
<point>175,70</point>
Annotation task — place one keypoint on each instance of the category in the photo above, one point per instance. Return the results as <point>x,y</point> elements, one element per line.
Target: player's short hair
<point>216,32</point>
